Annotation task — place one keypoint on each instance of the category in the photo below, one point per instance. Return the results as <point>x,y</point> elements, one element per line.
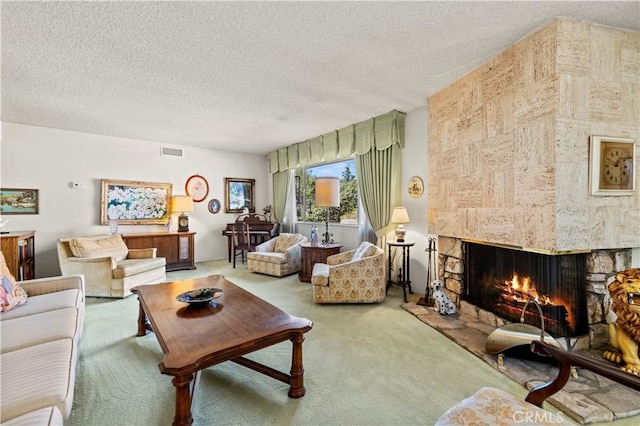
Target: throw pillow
<point>113,246</point>
<point>12,294</point>
<point>285,241</point>
<point>365,249</point>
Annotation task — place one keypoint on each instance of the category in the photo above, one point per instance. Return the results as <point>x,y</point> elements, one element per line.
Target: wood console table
<point>312,254</point>
<point>176,247</point>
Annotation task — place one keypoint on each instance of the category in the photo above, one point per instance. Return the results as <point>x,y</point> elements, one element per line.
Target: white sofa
<point>109,267</point>
<point>39,348</point>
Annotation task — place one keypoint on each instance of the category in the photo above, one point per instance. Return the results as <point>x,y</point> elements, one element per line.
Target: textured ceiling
<point>251,76</point>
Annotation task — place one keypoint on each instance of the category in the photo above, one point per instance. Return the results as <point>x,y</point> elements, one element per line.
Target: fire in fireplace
<point>501,280</point>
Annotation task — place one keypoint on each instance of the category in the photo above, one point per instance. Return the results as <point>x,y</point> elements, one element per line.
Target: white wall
<point>49,159</point>
<point>414,163</point>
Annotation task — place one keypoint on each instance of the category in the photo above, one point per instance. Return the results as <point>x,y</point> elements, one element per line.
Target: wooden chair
<point>240,240</point>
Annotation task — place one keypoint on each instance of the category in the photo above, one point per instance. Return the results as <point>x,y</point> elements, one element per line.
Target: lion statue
<point>624,333</point>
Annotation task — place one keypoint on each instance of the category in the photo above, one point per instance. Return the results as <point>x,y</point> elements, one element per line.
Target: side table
<point>403,275</point>
<point>315,253</point>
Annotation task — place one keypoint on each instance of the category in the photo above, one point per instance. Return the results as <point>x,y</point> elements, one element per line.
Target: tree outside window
<point>306,209</point>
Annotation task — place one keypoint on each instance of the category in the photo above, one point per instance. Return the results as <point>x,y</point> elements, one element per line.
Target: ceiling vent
<point>173,152</point>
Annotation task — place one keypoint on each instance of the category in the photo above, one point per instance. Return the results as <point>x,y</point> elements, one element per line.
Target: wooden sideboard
<point>312,254</point>
<point>19,252</point>
<point>176,247</point>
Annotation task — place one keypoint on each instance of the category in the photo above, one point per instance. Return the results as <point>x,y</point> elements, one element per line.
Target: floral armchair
<point>278,256</point>
<point>355,276</point>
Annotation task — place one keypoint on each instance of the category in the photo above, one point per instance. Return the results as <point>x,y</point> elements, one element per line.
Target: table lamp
<point>400,216</point>
<point>182,204</point>
<point>327,195</point>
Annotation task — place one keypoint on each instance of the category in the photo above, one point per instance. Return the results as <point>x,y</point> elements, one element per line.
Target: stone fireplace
<point>579,301</point>
<point>508,165</point>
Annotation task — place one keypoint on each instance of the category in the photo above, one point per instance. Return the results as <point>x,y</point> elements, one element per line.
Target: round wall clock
<point>197,188</point>
<point>214,205</point>
<point>415,187</point>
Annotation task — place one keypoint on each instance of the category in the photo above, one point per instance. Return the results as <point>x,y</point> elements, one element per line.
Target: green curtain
<point>280,185</point>
<point>379,174</point>
<point>375,133</point>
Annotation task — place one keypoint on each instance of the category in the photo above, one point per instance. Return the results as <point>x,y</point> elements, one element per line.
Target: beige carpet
<point>364,365</point>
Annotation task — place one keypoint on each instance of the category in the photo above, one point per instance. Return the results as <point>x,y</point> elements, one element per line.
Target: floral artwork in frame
<point>18,201</point>
<point>135,203</point>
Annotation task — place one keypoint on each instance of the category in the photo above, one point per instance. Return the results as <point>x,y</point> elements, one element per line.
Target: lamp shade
<point>328,192</point>
<point>182,203</point>
<point>400,215</point>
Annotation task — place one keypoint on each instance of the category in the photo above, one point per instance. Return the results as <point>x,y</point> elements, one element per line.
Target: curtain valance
<point>379,132</point>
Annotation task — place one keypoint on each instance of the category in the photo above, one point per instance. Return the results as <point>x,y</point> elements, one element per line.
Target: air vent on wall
<point>173,152</point>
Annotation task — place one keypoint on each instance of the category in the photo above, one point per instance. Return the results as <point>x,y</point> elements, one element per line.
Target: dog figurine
<point>443,304</point>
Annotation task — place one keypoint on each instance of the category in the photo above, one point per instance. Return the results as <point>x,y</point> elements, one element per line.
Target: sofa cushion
<point>37,377</point>
<point>19,333</point>
<point>113,246</point>
<point>129,267</point>
<point>270,257</point>
<point>365,249</point>
<point>12,294</point>
<point>49,416</point>
<point>47,302</point>
<point>284,241</point>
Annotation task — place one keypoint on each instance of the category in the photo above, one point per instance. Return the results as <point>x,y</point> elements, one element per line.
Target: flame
<point>517,287</point>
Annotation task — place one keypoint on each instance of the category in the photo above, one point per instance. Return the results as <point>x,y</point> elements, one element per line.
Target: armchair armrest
<point>294,252</point>
<point>267,246</point>
<point>566,359</point>
<point>146,253</point>
<point>81,262</point>
<point>53,284</point>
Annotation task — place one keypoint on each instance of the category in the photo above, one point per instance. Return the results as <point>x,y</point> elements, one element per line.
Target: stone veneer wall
<point>602,266</point>
<point>508,146</point>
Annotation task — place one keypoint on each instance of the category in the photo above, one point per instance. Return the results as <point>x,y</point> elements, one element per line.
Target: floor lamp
<point>327,195</point>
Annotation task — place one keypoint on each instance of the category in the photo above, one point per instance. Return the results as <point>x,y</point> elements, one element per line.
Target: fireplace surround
<point>592,271</point>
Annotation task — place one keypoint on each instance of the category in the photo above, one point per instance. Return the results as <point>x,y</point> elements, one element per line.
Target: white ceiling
<point>251,76</point>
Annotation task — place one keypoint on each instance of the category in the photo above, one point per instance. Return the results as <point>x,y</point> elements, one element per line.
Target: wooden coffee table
<point>193,338</point>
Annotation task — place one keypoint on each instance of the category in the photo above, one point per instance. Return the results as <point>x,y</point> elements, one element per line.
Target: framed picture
<point>197,188</point>
<point>18,201</point>
<point>214,205</point>
<point>415,188</point>
<point>612,168</point>
<point>135,203</point>
<point>239,195</point>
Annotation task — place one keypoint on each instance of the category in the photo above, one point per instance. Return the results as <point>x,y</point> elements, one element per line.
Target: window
<point>306,209</point>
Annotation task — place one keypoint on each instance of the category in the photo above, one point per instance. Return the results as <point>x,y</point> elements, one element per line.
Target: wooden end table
<point>315,253</point>
<point>195,338</point>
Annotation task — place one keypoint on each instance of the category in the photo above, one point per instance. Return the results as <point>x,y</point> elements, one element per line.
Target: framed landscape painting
<point>135,203</point>
<point>18,201</point>
<point>239,195</point>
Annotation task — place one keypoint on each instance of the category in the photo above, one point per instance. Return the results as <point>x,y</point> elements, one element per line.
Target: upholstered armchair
<point>354,276</point>
<point>109,267</point>
<point>278,256</point>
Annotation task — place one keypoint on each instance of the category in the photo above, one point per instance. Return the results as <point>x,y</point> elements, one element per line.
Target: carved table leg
<point>183,400</point>
<point>297,370</point>
<point>143,325</point>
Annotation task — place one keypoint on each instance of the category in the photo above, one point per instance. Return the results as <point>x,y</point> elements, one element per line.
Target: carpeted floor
<point>364,365</point>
